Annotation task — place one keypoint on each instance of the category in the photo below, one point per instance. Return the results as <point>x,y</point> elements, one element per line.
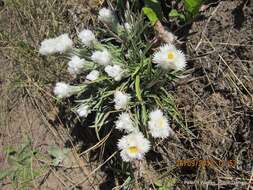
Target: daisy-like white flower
<point>101,57</point>
<point>121,100</point>
<point>114,71</point>
<point>83,110</point>
<point>106,15</point>
<point>59,44</point>
<point>87,37</point>
<point>168,57</point>
<point>158,124</point>
<point>75,65</point>
<point>133,146</point>
<point>125,123</point>
<point>63,90</point>
<point>93,75</point>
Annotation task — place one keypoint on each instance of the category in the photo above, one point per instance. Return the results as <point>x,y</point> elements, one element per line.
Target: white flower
<point>101,57</point>
<point>121,100</point>
<point>75,65</point>
<point>63,90</point>
<point>56,45</point>
<point>168,57</point>
<point>93,75</point>
<point>128,27</point>
<point>106,15</point>
<point>158,124</point>
<point>87,38</point>
<point>114,71</point>
<point>133,146</point>
<point>83,110</point>
<point>125,123</point>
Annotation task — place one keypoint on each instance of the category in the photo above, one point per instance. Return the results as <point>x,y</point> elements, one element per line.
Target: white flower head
<point>75,65</point>
<point>125,123</point>
<point>101,57</point>
<point>83,110</point>
<point>63,90</point>
<point>133,146</point>
<point>128,27</point>
<point>115,72</point>
<point>87,37</point>
<point>93,75</point>
<point>107,16</point>
<point>158,124</point>
<point>168,57</point>
<point>121,100</point>
<point>59,44</point>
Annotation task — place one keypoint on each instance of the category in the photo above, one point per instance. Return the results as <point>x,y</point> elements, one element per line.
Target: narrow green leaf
<point>144,114</point>
<point>137,88</point>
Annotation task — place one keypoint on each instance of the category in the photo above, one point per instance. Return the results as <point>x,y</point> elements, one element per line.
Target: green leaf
<point>155,5</point>
<point>159,183</point>
<point>175,13</point>
<point>58,155</point>
<point>193,6</point>
<point>144,114</point>
<point>137,88</point>
<point>150,14</point>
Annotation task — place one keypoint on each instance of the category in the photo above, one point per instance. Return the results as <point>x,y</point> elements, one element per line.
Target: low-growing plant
<point>120,83</point>
<point>20,170</point>
<point>184,10</point>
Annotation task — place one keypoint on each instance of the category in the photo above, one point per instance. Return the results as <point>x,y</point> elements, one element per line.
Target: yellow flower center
<point>133,149</point>
<point>161,123</point>
<point>170,56</point>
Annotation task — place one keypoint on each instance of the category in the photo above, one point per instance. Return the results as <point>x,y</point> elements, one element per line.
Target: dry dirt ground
<point>215,100</point>
<point>26,109</point>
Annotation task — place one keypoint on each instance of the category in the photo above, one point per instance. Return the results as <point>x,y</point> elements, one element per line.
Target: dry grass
<point>28,78</point>
<point>26,81</point>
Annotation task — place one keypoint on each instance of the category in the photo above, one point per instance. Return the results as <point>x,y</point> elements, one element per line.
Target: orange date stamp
<point>208,163</point>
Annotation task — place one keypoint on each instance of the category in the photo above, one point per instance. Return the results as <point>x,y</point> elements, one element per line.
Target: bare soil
<point>216,98</point>
<point>26,113</point>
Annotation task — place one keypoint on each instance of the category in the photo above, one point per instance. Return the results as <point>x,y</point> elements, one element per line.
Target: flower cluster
<point>116,75</point>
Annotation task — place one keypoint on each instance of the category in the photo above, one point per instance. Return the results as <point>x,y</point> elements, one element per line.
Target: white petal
<point>101,57</point>
<point>87,37</point>
<point>93,75</point>
<point>59,44</point>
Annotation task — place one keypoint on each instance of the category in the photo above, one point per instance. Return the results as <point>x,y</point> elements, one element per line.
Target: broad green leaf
<point>150,14</point>
<point>193,6</point>
<point>155,5</point>
<point>175,13</point>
